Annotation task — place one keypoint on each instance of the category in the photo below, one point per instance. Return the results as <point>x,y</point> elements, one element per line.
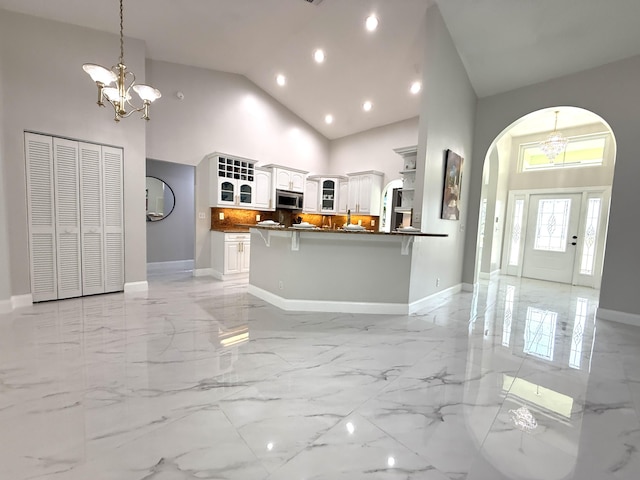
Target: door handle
<point>575,237</point>
<point>573,243</point>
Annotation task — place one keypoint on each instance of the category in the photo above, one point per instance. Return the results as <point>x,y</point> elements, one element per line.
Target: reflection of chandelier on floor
<point>523,419</point>
<point>555,143</point>
<point>119,95</point>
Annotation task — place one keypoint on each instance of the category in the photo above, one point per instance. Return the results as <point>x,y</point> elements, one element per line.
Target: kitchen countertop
<point>341,231</point>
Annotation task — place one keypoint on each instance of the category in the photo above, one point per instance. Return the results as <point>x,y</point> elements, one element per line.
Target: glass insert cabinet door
<point>328,195</point>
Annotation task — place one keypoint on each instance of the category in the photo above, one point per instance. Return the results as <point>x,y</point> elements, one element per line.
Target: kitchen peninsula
<point>335,270</point>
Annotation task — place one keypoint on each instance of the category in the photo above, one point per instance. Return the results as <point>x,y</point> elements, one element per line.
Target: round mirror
<point>160,199</point>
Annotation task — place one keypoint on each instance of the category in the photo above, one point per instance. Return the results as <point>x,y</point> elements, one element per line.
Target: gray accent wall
<point>172,238</point>
<point>610,91</point>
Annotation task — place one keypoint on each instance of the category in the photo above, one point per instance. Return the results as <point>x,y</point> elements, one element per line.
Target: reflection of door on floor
<point>552,237</point>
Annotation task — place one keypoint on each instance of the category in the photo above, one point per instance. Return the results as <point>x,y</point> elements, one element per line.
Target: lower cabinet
<point>230,254</point>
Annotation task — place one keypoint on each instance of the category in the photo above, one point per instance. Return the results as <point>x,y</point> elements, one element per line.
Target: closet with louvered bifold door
<point>75,213</point>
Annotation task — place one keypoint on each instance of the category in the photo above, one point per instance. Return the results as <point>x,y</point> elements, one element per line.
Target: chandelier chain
<point>121,34</point>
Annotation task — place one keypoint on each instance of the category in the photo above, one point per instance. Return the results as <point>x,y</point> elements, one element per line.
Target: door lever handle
<point>573,243</point>
<point>575,237</point>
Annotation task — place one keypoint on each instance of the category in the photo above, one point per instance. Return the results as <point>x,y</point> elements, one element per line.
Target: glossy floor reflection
<point>196,379</point>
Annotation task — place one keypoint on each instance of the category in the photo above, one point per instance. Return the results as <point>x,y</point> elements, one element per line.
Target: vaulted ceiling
<point>504,44</point>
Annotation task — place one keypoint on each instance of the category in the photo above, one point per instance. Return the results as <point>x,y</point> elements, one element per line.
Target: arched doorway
<point>541,217</point>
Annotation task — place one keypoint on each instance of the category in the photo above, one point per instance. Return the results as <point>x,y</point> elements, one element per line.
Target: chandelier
<point>555,143</point>
<point>113,87</point>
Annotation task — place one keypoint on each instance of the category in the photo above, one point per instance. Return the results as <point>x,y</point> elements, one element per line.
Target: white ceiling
<point>504,44</point>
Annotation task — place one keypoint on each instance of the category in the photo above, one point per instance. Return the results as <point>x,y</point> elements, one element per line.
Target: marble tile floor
<point>196,379</point>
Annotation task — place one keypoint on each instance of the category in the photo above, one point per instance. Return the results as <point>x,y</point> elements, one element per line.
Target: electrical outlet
<point>438,282</point>
<point>202,215</point>
<point>257,217</point>
<point>281,285</point>
<point>373,223</point>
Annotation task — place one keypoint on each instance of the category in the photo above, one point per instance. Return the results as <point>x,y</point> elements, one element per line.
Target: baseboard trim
<point>169,267</point>
<point>131,287</point>
<point>348,307</point>
<point>328,306</point>
<point>19,301</point>
<point>620,317</point>
<point>467,287</point>
<point>202,272</point>
<point>233,276</point>
<point>419,304</point>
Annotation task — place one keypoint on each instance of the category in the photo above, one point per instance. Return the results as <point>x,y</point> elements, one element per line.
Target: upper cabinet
<point>232,181</point>
<point>408,172</point>
<point>365,189</point>
<point>285,178</point>
<point>310,204</point>
<point>263,196</point>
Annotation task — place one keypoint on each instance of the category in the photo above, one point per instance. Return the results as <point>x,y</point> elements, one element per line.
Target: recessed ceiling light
<point>318,55</point>
<point>415,87</point>
<point>371,23</point>
<point>281,79</point>
<point>328,119</point>
<point>367,106</point>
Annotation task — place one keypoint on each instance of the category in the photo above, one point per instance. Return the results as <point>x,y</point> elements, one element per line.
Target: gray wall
<point>172,238</point>
<point>446,122</point>
<point>5,269</point>
<point>46,90</point>
<point>610,91</point>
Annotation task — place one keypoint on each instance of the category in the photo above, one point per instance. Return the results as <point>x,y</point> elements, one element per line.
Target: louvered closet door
<point>112,164</point>
<point>91,208</point>
<point>67,202</point>
<point>41,216</point>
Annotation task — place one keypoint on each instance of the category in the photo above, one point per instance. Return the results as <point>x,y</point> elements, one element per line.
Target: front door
<point>552,236</point>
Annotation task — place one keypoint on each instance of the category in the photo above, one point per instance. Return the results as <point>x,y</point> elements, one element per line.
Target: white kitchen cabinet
<point>311,196</point>
<point>285,178</point>
<point>365,189</point>
<point>232,181</point>
<point>343,196</point>
<point>263,199</point>
<point>230,254</point>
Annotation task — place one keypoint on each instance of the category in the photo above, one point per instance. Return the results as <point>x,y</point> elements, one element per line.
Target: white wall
<point>610,91</point>
<point>226,113</point>
<point>45,90</point>
<point>446,122</point>
<point>373,150</point>
<point>5,269</point>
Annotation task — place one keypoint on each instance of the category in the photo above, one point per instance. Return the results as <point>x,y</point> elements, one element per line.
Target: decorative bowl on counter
<point>267,223</point>
<point>304,225</point>
<point>408,229</point>
<point>354,227</point>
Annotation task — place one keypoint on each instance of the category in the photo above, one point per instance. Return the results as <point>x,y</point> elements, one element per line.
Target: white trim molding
<point>169,267</point>
<point>347,307</point>
<point>203,272</point>
<point>19,301</point>
<point>131,287</point>
<point>620,317</point>
<point>467,287</point>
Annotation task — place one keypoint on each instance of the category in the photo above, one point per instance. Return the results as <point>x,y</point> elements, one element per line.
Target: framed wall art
<point>452,186</point>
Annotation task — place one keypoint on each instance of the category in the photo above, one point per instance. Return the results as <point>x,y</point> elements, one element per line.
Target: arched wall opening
<point>525,195</point>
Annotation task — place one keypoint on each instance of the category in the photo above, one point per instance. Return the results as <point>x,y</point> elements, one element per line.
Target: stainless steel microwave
<point>288,200</point>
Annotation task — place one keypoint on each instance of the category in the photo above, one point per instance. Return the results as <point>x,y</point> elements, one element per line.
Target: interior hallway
<point>197,379</point>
